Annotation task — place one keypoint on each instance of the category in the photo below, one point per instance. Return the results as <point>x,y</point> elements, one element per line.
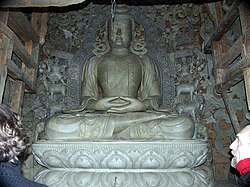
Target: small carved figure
<point>190,108</point>
<point>56,107</point>
<point>187,88</point>
<point>55,71</point>
<point>53,77</point>
<point>185,72</point>
<point>54,88</point>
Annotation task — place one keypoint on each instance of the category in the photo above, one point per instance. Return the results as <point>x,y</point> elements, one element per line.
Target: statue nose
<point>119,39</point>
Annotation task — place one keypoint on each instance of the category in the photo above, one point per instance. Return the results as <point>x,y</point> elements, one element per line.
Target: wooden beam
<point>22,28</point>
<point>5,30</point>
<point>43,28</point>
<point>19,48</point>
<point>17,74</point>
<point>38,3</point>
<point>218,53</point>
<point>17,96</point>
<point>219,47</point>
<point>245,24</point>
<point>246,72</point>
<point>62,3</point>
<point>225,24</point>
<point>231,112</point>
<point>30,72</point>
<point>6,46</point>
<point>4,16</point>
<point>244,9</point>
<point>3,78</point>
<point>233,75</point>
<point>23,54</point>
<point>39,23</point>
<point>231,54</point>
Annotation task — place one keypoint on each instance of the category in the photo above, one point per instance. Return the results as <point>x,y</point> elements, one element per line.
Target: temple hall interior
<point>172,78</point>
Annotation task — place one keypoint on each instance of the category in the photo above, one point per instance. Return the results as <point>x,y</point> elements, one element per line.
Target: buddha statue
<point>120,96</point>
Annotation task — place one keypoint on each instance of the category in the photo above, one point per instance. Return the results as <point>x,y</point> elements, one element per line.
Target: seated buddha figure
<point>120,96</point>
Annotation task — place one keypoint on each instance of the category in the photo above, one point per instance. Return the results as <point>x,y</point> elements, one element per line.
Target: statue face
<point>120,31</point>
<point>241,146</point>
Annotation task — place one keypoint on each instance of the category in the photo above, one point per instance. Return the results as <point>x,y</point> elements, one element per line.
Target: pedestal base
<point>123,178</point>
<point>122,163</point>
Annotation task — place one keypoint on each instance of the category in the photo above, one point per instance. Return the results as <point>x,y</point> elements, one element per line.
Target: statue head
<point>120,28</point>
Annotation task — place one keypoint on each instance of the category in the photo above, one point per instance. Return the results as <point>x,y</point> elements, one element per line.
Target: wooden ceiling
<point>63,3</point>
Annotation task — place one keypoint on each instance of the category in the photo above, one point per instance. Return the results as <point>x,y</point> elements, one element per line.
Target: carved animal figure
<point>56,107</point>
<point>56,71</point>
<point>55,88</point>
<point>185,72</point>
<point>187,88</point>
<point>190,108</point>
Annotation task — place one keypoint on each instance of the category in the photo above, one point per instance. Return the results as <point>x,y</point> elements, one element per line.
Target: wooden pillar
<point>4,15</point>
<point>6,46</point>
<point>43,28</point>
<point>17,96</point>
<point>244,9</point>
<point>219,47</point>
<point>3,77</point>
<point>39,23</point>
<point>231,112</point>
<point>246,72</point>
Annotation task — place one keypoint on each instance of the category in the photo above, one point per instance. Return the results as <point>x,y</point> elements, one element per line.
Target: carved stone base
<point>125,178</point>
<point>121,163</point>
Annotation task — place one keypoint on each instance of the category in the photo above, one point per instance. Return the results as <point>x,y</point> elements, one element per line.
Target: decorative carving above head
<point>138,46</point>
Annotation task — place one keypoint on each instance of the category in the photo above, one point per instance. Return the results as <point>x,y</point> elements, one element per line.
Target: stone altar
<point>68,154</point>
<point>122,163</point>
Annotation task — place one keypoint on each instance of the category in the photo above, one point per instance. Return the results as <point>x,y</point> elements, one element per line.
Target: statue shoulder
<point>147,61</point>
<point>92,61</point>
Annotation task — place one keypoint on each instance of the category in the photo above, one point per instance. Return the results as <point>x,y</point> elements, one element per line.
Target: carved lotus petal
<point>116,159</point>
<point>151,180</point>
<point>117,179</point>
<point>79,180</point>
<point>82,159</point>
<point>150,159</point>
<point>184,179</point>
<point>53,159</point>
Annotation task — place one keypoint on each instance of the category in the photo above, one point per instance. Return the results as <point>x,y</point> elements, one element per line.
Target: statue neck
<point>120,51</point>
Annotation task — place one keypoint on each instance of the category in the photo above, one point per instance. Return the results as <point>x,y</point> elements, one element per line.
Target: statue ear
<point>106,28</point>
<point>133,29</point>
<point>133,25</point>
<point>106,32</point>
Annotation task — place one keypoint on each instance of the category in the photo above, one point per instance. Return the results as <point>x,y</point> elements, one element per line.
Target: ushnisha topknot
<point>13,139</point>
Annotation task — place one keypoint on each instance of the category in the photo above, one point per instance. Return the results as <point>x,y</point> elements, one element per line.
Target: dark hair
<point>13,139</point>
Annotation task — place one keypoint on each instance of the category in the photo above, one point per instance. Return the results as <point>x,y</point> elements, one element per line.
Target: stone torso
<point>120,75</point>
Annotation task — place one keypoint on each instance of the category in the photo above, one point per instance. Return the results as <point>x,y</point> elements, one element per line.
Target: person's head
<point>241,146</point>
<point>120,29</point>
<point>13,139</point>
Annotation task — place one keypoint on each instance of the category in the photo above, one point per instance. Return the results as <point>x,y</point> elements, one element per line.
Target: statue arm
<point>150,87</point>
<point>89,84</point>
<point>89,88</point>
<point>90,91</point>
<point>150,91</point>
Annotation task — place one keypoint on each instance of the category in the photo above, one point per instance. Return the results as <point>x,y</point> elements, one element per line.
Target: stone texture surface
<point>107,163</point>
